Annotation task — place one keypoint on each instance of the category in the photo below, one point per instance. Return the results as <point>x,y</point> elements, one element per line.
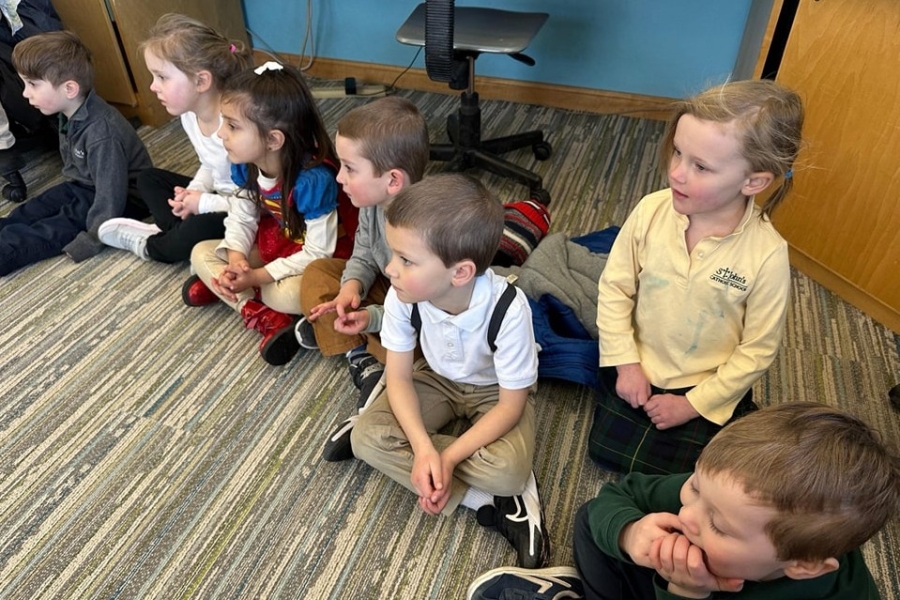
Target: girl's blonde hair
<point>192,47</point>
<point>768,121</point>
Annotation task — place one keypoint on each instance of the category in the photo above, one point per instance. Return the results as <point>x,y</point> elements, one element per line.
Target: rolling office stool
<point>453,38</point>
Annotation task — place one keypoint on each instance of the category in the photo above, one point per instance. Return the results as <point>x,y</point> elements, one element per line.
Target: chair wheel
<point>541,195</point>
<point>542,151</point>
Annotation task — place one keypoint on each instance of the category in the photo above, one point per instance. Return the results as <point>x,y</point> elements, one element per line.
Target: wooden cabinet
<point>113,30</point>
<point>843,219</point>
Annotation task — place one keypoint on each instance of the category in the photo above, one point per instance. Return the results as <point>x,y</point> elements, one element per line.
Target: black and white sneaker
<point>365,370</point>
<point>306,336</point>
<point>520,519</point>
<point>337,446</point>
<point>510,583</point>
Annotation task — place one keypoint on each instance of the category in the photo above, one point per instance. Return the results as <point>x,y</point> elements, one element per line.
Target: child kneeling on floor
<point>777,508</point>
<point>443,232</point>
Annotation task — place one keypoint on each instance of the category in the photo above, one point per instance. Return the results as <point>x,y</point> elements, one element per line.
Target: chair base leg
<point>461,159</point>
<point>509,143</point>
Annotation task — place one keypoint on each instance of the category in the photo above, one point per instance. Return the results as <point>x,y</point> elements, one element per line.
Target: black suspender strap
<point>503,303</point>
<point>506,298</point>
<point>415,319</point>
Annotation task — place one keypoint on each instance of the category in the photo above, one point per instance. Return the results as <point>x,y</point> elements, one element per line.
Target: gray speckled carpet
<point>147,452</point>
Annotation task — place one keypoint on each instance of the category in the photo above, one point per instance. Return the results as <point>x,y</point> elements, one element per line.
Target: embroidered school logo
<point>726,276</point>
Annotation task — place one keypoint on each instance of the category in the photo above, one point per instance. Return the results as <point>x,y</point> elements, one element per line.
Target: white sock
<point>476,498</point>
<point>532,499</point>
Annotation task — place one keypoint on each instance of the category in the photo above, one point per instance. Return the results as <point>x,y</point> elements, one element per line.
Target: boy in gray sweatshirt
<point>101,154</point>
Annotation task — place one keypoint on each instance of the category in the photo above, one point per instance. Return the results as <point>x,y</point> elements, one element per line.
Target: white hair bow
<point>269,66</point>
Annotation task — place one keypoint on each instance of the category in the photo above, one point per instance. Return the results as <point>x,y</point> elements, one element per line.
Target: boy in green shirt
<point>777,508</point>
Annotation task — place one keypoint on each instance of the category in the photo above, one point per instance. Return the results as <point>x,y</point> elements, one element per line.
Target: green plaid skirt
<point>623,439</point>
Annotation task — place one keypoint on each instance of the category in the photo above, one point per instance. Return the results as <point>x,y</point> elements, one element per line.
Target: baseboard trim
<point>491,88</point>
<point>872,306</point>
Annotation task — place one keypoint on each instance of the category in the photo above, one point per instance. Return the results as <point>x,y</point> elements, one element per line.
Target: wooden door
<point>843,219</point>
<point>90,20</point>
<point>134,19</point>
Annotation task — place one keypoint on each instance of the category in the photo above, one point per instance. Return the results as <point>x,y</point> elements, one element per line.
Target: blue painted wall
<point>669,48</point>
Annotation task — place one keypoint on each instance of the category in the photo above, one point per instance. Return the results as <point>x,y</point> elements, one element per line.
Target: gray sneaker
<point>128,234</point>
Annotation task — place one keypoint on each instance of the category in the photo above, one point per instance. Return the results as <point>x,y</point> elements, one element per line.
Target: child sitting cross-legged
<point>776,509</point>
<point>443,232</point>
<point>382,147</point>
<point>287,212</point>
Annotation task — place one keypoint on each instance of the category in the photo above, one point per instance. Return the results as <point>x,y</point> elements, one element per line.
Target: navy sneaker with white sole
<point>510,583</point>
<point>337,446</point>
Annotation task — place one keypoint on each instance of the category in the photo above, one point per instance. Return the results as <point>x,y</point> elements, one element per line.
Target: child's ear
<point>757,182</point>
<point>71,89</point>
<point>397,180</point>
<point>204,81</point>
<point>809,569</point>
<point>463,272</point>
<point>274,140</point>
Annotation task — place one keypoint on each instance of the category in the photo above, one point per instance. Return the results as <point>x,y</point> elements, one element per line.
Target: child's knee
<point>203,250</point>
<point>376,434</point>
<point>508,470</point>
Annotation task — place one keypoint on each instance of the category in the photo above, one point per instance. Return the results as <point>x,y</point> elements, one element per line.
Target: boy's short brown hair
<point>56,57</point>
<point>829,476</point>
<point>391,133</point>
<point>454,214</point>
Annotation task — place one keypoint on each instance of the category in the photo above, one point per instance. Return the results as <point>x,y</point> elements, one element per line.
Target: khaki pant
<point>282,296</point>
<point>322,283</point>
<point>501,468</point>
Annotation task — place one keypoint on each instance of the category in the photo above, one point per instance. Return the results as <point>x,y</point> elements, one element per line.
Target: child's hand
<point>668,410</point>
<point>682,564</point>
<point>434,504</point>
<point>321,309</point>
<point>225,283</point>
<point>352,323</point>
<point>430,481</point>
<point>632,385</point>
<point>637,538</point>
<point>247,278</point>
<point>348,299</point>
<point>185,202</point>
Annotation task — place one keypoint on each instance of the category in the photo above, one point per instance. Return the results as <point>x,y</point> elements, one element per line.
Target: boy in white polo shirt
<point>443,232</point>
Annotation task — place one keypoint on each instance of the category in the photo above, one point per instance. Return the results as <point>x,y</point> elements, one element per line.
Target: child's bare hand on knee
<point>669,410</point>
<point>637,538</point>
<point>321,309</point>
<point>224,283</point>
<point>427,472</point>
<point>632,385</point>
<point>431,476</point>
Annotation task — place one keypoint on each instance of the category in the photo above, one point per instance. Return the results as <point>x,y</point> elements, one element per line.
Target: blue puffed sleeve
<point>316,192</point>
<point>239,175</point>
